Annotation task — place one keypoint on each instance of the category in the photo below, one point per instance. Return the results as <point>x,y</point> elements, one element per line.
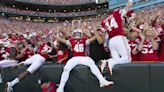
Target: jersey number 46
<point>79,48</point>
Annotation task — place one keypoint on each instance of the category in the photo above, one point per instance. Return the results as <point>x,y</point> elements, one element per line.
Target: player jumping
<point>35,62</point>
<point>118,44</point>
<point>78,45</point>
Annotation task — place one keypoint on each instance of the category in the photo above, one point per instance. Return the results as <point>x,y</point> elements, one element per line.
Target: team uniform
<point>147,53</point>
<point>79,58</point>
<point>36,60</point>
<point>118,43</point>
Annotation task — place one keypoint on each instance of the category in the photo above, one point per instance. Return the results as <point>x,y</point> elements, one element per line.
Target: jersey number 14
<point>111,24</point>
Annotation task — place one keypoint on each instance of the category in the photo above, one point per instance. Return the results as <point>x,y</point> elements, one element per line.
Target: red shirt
<point>78,46</point>
<point>113,24</point>
<point>51,88</point>
<point>13,40</point>
<point>43,48</point>
<point>26,55</point>
<point>61,54</point>
<point>147,52</point>
<point>133,45</point>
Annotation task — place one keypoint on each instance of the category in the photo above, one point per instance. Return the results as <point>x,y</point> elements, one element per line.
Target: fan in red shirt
<point>62,50</point>
<point>47,86</point>
<point>78,46</point>
<point>62,54</point>
<point>133,41</point>
<point>24,52</point>
<point>148,46</point>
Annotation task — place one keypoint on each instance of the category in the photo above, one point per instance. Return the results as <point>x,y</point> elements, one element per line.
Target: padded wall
<point>157,77</point>
<point>134,77</point>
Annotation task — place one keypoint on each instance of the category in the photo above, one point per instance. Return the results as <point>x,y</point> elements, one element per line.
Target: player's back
<point>113,24</point>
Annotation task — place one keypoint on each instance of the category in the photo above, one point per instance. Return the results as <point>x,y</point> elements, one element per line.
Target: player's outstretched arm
<point>127,7</point>
<point>130,3</point>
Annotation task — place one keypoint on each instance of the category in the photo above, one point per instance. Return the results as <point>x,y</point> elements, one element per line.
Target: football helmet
<point>77,33</point>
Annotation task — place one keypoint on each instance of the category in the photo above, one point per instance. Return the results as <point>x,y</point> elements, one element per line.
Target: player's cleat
<point>103,64</point>
<point>106,83</point>
<point>9,87</point>
<point>60,90</point>
<point>110,66</point>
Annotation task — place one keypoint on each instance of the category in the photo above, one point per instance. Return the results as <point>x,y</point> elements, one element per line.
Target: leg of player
<point>65,75</point>
<point>36,61</point>
<point>94,69</point>
<point>124,51</point>
<point>9,85</point>
<point>120,51</point>
<point>112,61</point>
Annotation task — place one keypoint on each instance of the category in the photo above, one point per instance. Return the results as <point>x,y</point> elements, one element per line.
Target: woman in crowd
<point>148,45</point>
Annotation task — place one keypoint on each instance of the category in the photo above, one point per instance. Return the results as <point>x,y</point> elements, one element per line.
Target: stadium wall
<point>134,77</point>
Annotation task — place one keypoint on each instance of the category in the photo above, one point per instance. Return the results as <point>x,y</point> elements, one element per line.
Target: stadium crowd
<point>48,14</point>
<point>59,1</point>
<point>145,32</point>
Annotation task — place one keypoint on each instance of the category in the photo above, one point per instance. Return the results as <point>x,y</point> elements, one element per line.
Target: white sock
<point>64,78</point>
<point>15,81</point>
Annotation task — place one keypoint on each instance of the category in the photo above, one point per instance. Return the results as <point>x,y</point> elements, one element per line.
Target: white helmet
<point>77,33</point>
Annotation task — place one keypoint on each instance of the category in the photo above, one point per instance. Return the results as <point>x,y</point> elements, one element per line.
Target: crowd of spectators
<point>59,1</point>
<point>48,14</point>
<point>145,32</point>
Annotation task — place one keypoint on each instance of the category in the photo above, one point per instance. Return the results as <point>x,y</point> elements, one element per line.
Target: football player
<point>35,62</point>
<point>78,46</point>
<point>118,44</point>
